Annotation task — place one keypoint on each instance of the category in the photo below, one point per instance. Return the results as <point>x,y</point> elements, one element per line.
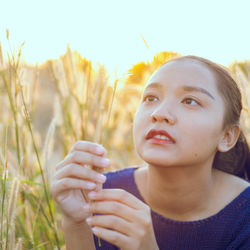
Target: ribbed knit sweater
<point>227,229</point>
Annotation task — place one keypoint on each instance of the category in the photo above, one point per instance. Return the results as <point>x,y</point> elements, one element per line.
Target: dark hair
<point>237,160</point>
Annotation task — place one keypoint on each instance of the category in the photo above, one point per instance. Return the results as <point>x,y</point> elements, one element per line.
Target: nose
<point>162,114</point>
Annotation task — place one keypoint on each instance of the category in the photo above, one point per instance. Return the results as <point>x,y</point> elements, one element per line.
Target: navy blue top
<point>227,229</point>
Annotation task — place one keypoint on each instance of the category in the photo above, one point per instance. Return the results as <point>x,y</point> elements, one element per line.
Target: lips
<point>154,132</point>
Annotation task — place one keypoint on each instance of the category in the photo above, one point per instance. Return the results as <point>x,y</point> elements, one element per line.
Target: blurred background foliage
<point>44,110</point>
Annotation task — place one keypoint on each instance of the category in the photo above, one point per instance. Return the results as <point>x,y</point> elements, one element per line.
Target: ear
<point>229,139</point>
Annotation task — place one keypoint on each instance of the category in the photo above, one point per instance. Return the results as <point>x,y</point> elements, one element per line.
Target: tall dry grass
<point>44,110</point>
<point>80,100</point>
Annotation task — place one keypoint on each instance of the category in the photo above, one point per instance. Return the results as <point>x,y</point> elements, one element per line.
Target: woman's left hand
<point>122,220</point>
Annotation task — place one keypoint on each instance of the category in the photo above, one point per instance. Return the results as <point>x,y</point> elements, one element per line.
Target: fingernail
<point>88,220</point>
<point>91,185</point>
<point>99,150</point>
<point>92,194</point>
<point>101,178</point>
<point>105,162</point>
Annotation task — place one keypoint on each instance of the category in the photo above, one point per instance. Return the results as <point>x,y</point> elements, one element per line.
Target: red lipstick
<point>154,132</point>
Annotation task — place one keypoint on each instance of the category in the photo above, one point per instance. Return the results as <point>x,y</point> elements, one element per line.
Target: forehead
<point>184,72</point>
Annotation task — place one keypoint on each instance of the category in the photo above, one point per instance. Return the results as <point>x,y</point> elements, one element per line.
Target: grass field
<point>44,110</point>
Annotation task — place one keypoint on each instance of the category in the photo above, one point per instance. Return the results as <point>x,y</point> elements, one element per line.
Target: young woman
<point>191,194</point>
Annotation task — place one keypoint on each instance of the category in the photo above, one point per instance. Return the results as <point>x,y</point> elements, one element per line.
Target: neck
<point>181,192</point>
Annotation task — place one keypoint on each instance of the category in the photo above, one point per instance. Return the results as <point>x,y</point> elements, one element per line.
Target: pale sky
<point>109,31</point>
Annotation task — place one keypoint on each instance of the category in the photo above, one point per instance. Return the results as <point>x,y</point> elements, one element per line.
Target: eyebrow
<point>197,89</point>
<point>156,85</point>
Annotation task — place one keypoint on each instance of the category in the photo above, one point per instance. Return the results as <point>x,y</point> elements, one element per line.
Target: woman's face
<point>179,120</point>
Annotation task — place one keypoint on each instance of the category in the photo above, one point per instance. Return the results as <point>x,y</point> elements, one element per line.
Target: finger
<point>90,147</point>
<point>70,183</point>
<point>80,172</point>
<point>112,237</point>
<point>110,222</point>
<point>84,158</point>
<point>118,195</point>
<point>112,208</point>
<point>117,224</point>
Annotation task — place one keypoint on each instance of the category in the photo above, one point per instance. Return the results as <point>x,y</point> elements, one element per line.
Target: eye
<point>190,101</point>
<point>150,98</point>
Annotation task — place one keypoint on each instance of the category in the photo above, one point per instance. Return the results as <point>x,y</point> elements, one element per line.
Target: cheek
<point>203,131</point>
<point>199,142</point>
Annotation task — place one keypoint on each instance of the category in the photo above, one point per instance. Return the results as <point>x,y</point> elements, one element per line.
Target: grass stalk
<point>104,135</point>
<point>27,118</point>
<point>13,200</point>
<point>14,112</point>
<point>3,188</point>
<point>12,211</point>
<point>19,244</point>
<point>47,148</point>
<point>101,136</point>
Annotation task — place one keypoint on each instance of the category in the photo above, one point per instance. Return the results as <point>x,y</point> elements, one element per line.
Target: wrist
<point>69,223</point>
<point>78,235</point>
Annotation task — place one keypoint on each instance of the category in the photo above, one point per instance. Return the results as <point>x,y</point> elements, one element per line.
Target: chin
<point>157,156</point>
<point>156,161</point>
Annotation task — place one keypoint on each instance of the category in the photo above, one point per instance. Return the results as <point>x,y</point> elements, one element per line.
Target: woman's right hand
<point>73,179</point>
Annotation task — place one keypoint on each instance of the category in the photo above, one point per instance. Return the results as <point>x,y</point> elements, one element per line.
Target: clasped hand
<point>122,219</point>
<point>113,214</point>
